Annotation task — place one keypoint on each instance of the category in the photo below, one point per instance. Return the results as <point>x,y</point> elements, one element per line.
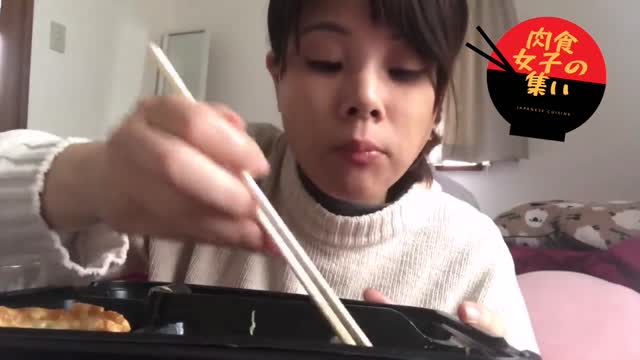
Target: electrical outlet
<point>58,37</point>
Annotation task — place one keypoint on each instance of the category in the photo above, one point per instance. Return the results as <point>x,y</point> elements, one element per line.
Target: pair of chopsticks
<point>316,286</point>
<point>502,63</point>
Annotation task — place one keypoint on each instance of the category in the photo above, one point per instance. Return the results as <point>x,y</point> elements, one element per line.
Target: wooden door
<point>16,21</point>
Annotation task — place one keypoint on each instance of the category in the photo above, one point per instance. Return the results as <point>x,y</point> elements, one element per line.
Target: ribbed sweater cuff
<point>21,181</point>
<point>23,231</point>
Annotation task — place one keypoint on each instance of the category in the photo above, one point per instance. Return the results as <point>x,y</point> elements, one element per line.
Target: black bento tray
<point>196,322</point>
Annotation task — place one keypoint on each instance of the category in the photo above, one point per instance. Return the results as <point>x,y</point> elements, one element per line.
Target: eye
<point>327,67</point>
<point>405,75</point>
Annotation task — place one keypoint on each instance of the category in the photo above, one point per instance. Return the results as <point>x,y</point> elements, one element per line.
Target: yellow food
<point>80,317</point>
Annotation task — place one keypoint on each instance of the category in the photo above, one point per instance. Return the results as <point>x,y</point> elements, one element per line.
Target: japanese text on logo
<point>556,50</point>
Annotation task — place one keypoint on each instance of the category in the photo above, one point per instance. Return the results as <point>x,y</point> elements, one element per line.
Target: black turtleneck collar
<point>345,208</point>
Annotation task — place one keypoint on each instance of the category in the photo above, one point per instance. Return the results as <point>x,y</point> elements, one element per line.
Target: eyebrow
<point>329,26</point>
<point>326,26</point>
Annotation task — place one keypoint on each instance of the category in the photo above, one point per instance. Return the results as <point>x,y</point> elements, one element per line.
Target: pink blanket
<point>619,264</point>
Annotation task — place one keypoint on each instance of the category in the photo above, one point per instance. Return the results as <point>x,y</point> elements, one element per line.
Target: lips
<point>360,152</point>
<point>360,146</point>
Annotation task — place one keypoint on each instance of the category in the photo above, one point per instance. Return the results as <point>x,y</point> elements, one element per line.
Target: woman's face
<point>356,101</point>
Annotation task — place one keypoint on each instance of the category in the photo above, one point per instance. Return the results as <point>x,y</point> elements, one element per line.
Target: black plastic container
<point>197,322</point>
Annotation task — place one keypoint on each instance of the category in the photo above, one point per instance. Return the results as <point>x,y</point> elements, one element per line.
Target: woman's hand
<point>172,169</point>
<point>470,313</point>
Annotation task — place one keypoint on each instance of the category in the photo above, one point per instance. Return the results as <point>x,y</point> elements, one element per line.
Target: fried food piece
<point>81,316</point>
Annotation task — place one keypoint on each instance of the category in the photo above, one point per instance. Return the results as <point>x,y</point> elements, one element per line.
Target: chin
<point>357,190</point>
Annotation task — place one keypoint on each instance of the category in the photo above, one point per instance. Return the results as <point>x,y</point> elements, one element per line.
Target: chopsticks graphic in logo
<point>505,65</point>
<point>546,54</point>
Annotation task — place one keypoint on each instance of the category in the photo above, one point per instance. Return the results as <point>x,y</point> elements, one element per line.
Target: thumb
<point>481,318</point>
<point>375,296</point>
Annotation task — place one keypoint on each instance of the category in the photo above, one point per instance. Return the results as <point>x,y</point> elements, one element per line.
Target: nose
<point>362,97</point>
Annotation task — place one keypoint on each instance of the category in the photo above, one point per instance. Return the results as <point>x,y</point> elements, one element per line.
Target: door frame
<point>16,28</point>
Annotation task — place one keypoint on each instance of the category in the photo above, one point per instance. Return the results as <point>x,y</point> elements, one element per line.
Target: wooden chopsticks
<point>343,324</point>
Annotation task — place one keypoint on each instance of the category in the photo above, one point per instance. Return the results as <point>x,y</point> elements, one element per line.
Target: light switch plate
<point>58,37</point>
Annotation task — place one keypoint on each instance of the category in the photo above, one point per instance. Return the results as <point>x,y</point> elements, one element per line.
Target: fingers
<point>237,233</point>
<point>213,130</point>
<point>375,296</point>
<point>269,246</point>
<point>481,318</point>
<point>166,212</point>
<point>172,170</point>
<point>165,158</point>
<point>233,118</point>
<point>470,313</point>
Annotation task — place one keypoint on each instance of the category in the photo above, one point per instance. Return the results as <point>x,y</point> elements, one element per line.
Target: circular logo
<point>547,77</point>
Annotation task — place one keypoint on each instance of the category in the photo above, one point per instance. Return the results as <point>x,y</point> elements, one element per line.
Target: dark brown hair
<point>434,29</point>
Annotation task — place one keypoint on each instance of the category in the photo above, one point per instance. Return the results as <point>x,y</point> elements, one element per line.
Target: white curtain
<point>473,130</point>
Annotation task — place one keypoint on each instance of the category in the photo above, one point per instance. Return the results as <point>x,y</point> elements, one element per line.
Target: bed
<point>578,266</point>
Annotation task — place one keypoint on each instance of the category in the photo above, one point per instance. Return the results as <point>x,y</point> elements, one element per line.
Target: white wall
<point>86,91</point>
<point>596,162</point>
<point>599,160</point>
<point>239,42</point>
<point>104,69</point>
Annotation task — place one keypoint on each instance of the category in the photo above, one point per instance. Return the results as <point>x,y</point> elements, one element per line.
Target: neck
<point>316,224</point>
<point>350,208</point>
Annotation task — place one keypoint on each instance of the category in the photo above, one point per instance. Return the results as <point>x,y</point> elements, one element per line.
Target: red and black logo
<point>546,77</point>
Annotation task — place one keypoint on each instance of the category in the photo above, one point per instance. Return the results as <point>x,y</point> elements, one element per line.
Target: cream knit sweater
<point>427,249</point>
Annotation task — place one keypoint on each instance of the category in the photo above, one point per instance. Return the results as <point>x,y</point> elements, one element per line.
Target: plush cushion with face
<point>601,225</point>
<point>570,225</point>
<point>530,224</point>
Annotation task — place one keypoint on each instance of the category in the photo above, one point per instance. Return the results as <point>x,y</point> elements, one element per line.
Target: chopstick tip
<point>153,47</point>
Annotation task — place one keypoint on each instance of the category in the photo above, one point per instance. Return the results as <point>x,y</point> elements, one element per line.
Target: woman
<point>360,86</point>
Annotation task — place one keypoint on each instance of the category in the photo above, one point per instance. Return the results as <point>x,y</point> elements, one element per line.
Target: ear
<point>274,69</point>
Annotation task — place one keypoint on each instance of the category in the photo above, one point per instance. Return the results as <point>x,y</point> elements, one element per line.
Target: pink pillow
<point>577,316</point>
